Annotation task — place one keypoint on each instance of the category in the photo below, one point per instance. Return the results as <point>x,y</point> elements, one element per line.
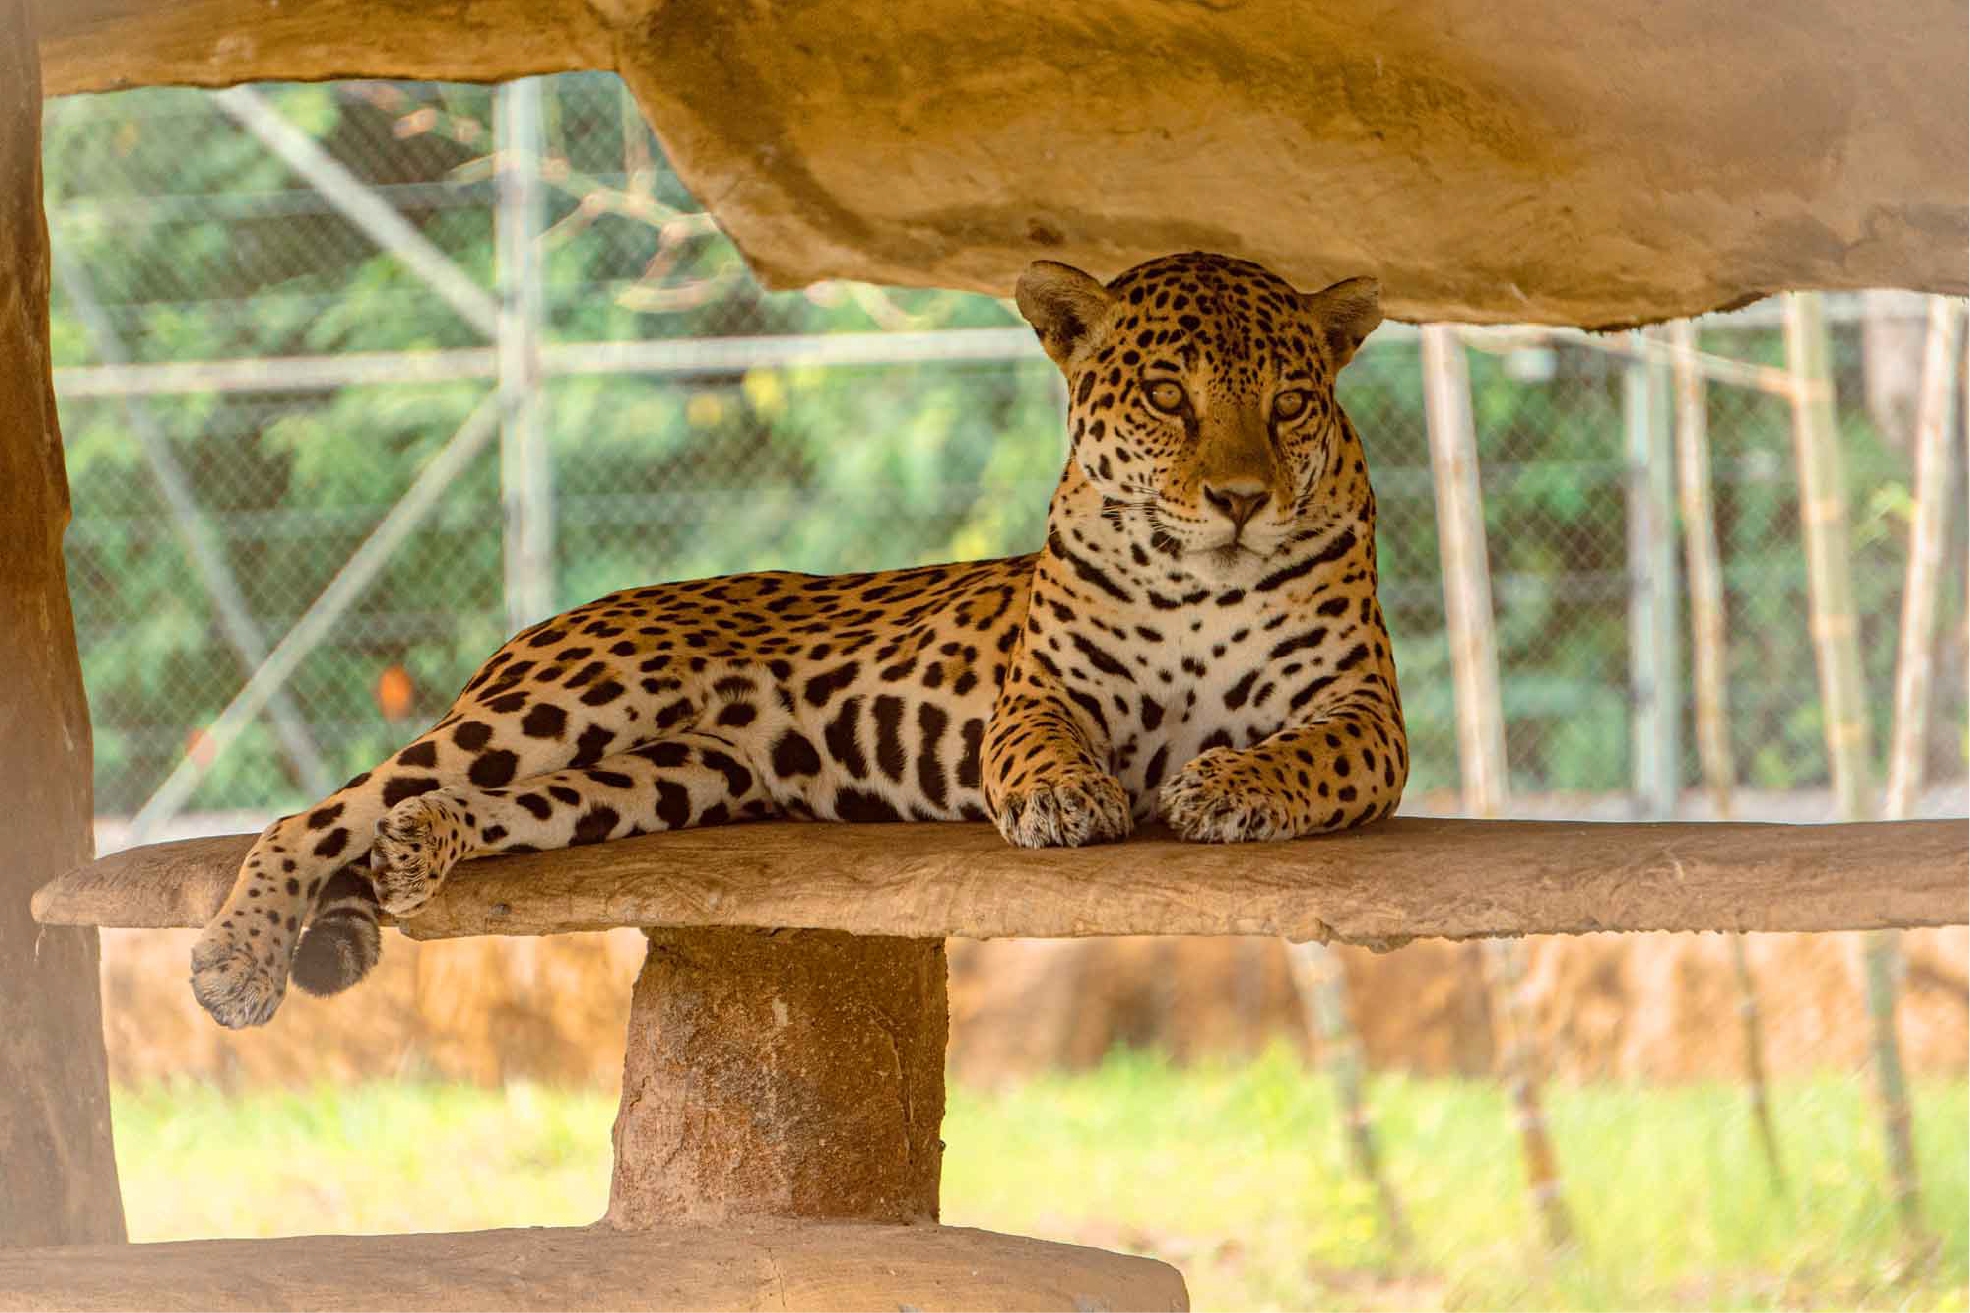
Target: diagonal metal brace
<point>236,621</point>
<point>362,207</point>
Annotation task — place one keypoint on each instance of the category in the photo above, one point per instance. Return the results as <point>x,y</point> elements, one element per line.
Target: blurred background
<point>357,378</point>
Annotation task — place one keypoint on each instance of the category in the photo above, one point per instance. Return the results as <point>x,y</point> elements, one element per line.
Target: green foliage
<point>1239,1173</point>
<point>1235,1173</point>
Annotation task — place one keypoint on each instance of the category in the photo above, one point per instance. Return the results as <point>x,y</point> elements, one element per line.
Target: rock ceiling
<point>1491,160</point>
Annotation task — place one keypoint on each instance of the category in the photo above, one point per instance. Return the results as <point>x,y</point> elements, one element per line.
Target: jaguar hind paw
<point>239,980</point>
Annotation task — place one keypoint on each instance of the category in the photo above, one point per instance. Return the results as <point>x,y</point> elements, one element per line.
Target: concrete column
<point>782,1074</point>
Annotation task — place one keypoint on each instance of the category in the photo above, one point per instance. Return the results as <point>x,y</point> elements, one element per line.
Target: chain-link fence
<point>275,308</point>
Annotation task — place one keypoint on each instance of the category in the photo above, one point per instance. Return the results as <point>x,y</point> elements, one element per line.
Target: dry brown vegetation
<point>1651,1007</point>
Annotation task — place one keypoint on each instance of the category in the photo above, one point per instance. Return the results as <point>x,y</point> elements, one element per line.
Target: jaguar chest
<point>1166,687</point>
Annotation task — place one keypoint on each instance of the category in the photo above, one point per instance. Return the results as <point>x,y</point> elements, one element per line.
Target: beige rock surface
<point>1537,160</point>
<point>817,1267</point>
<point>57,1167</point>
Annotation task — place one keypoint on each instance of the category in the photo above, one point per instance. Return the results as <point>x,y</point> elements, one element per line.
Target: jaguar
<point>1197,640</point>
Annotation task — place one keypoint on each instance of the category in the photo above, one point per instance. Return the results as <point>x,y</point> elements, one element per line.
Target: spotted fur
<point>1198,638</point>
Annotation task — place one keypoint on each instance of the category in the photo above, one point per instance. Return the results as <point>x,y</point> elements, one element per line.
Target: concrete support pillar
<point>782,1074</point>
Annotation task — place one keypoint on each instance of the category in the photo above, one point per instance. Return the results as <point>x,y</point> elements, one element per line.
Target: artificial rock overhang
<point>1554,161</point>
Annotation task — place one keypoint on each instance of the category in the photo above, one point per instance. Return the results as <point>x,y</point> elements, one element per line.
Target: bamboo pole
<point>1323,990</point>
<point>1829,561</point>
<point>1710,685</point>
<point>1836,646</point>
<point>1882,963</point>
<point>1915,664</point>
<point>1706,580</point>
<point>1914,677</point>
<point>1505,972</point>
<point>1466,571</point>
<point>1481,726</point>
<point>1751,1023</point>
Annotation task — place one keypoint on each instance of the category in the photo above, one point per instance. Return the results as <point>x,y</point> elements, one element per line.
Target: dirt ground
<point>1652,1007</point>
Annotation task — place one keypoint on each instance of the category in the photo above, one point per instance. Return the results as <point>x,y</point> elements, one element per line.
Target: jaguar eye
<point>1166,397</point>
<point>1289,405</point>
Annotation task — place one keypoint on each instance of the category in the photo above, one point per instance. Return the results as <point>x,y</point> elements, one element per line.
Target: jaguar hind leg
<point>239,967</point>
<point>343,940</point>
<point>687,779</point>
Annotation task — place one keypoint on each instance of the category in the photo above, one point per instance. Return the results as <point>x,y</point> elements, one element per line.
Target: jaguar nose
<point>1237,502</point>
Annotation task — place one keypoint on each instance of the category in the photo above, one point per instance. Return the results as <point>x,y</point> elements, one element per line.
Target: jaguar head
<point>1201,403</point>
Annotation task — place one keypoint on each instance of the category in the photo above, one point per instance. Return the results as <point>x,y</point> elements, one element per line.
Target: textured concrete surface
<point>792,1073</point>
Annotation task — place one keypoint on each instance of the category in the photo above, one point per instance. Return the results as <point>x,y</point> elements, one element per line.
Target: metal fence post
<point>525,475</point>
<point>1656,742</point>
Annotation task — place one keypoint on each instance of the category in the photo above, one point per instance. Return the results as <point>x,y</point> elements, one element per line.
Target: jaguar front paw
<point>1075,809</point>
<point>417,843</point>
<point>1218,799</point>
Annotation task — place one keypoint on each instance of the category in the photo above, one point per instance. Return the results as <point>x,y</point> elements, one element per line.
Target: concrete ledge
<point>1381,886</point>
<point>831,1266</point>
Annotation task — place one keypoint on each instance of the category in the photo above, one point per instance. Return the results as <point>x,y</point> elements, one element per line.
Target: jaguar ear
<point>1347,312</point>
<point>1062,304</point>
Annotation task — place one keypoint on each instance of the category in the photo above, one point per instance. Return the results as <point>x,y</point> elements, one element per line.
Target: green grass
<point>1233,1172</point>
